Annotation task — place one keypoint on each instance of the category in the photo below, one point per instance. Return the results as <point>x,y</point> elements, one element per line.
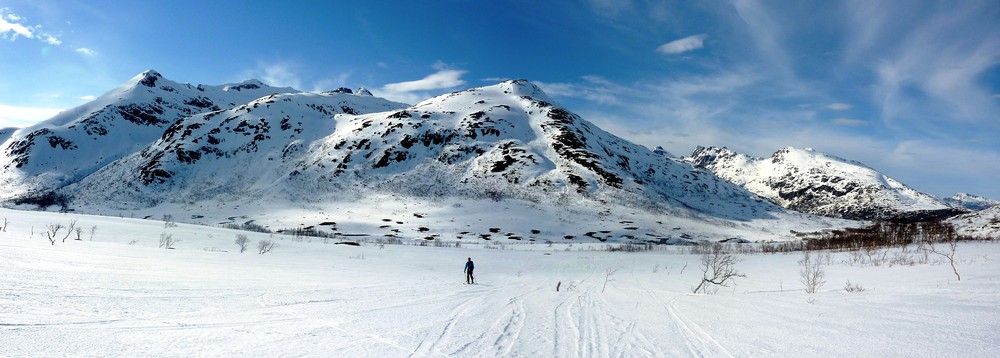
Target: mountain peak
<point>523,88</point>
<point>970,201</point>
<point>250,84</point>
<point>147,78</point>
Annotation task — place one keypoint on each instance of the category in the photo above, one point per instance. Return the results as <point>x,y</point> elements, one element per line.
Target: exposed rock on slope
<point>506,140</point>
<point>79,141</point>
<point>813,182</point>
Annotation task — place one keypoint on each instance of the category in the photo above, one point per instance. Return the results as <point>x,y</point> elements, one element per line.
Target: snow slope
<point>506,140</point>
<point>104,297</point>
<point>75,143</point>
<point>983,223</point>
<point>279,160</point>
<point>813,182</point>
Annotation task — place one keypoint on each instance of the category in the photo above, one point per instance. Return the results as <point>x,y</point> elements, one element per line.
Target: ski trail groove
<point>699,342</point>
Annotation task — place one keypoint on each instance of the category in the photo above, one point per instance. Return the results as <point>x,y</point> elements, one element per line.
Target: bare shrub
<point>51,231</point>
<point>243,242</point>
<point>812,274</point>
<point>93,229</point>
<point>70,230</point>
<point>853,288</point>
<point>902,259</point>
<point>4,227</point>
<point>718,268</point>
<point>167,241</point>
<point>265,246</point>
<point>948,252</point>
<point>607,277</point>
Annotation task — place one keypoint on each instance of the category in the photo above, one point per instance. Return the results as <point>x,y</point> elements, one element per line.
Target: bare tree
<point>51,231</point>
<point>265,246</point>
<point>812,273</point>
<point>93,229</point>
<point>72,228</point>
<point>607,277</point>
<point>242,241</point>
<point>167,241</point>
<point>952,246</point>
<point>79,231</point>
<point>4,227</point>
<point>717,268</point>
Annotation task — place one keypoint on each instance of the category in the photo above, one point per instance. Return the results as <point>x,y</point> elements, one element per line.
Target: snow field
<point>108,298</point>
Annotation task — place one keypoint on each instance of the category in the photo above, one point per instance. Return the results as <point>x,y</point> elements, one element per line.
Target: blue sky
<point>911,88</point>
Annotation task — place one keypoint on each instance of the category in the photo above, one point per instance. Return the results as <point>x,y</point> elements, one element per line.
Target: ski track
<point>698,342</point>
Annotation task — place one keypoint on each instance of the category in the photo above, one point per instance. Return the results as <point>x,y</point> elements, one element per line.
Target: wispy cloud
<point>12,26</point>
<point>849,122</point>
<point>279,74</point>
<point>445,78</point>
<point>594,89</point>
<point>931,70</point>
<point>839,106</point>
<point>86,51</point>
<point>683,45</point>
<point>288,74</point>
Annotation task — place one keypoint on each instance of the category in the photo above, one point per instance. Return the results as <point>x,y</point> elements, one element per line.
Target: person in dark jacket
<point>469,266</point>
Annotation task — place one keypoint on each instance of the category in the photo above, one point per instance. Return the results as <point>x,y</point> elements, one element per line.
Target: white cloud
<point>849,122</point>
<point>16,29</point>
<point>439,80</point>
<point>86,51</point>
<point>19,116</point>
<point>418,90</point>
<point>839,106</point>
<point>88,97</point>
<point>11,27</point>
<point>683,45</point>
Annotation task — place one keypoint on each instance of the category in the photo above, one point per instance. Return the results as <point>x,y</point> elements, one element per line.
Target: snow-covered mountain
<point>971,202</point>
<point>818,183</point>
<point>154,143</point>
<point>983,223</point>
<point>505,140</point>
<point>81,140</point>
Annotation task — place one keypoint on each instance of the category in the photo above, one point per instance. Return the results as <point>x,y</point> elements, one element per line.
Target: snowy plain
<point>118,294</point>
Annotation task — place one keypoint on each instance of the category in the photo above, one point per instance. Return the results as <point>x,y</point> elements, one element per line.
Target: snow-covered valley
<point>115,293</point>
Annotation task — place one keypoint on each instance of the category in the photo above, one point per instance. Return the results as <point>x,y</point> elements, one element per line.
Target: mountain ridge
<point>153,142</point>
<point>822,184</point>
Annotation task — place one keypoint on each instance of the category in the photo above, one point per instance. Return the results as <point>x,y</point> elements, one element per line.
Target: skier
<point>469,266</point>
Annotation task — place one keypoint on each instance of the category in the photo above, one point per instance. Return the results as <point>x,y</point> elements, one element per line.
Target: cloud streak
<point>415,91</point>
<point>86,52</point>
<point>683,45</point>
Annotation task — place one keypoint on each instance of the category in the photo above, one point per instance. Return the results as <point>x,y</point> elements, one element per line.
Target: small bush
<point>853,288</point>
<point>167,241</point>
<point>265,246</point>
